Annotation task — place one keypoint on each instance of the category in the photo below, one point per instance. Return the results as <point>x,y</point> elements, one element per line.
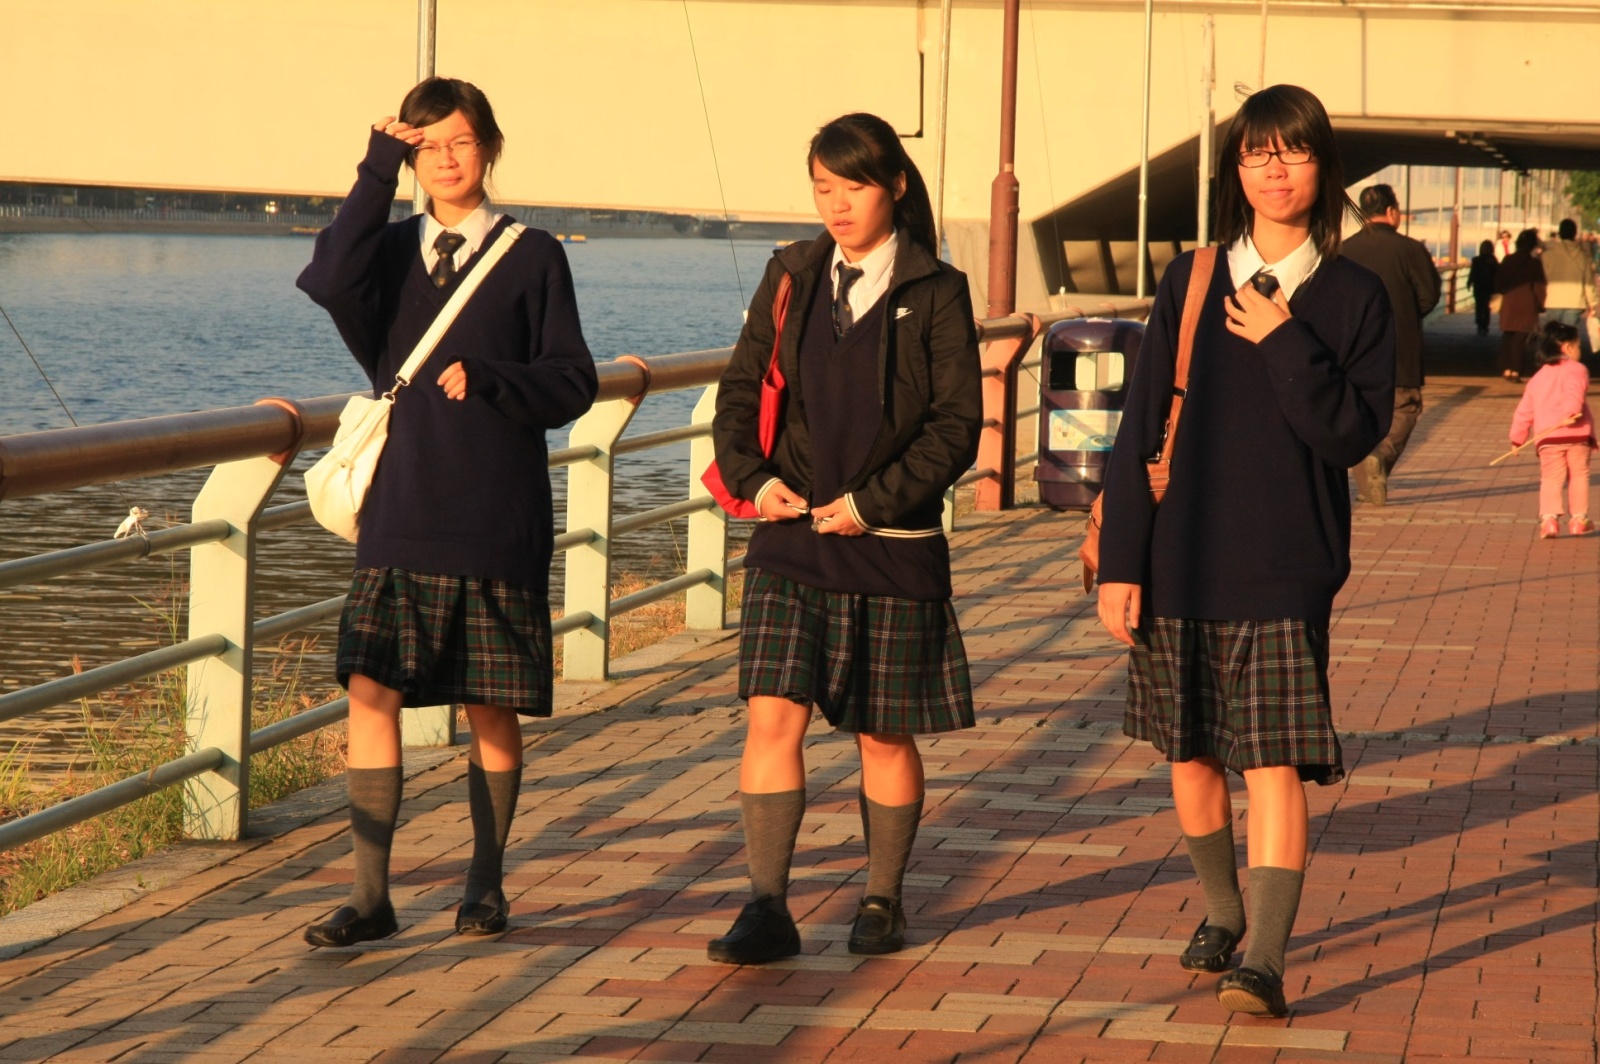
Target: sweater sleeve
<point>947,441</point>
<point>1128,519</point>
<point>1425,280</point>
<point>557,383</point>
<point>343,275</point>
<point>734,426</point>
<point>1522,419</point>
<point>1338,403</point>
<point>1571,392</point>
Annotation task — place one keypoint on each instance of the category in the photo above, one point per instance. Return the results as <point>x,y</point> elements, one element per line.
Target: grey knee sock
<point>1218,868</point>
<point>374,807</point>
<point>891,831</point>
<point>492,800</point>
<point>771,825</point>
<point>1274,901</point>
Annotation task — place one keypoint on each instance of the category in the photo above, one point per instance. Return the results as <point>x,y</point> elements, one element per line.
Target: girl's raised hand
<point>1254,316</point>
<point>398,130</point>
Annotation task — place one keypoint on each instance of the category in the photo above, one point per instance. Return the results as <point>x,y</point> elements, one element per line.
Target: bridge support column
<point>585,651</point>
<point>222,601</point>
<point>706,606</point>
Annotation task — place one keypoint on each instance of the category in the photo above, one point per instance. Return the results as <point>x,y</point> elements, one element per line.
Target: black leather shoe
<point>763,932</point>
<point>1257,993</point>
<point>1210,949</point>
<point>880,927</point>
<point>346,927</point>
<point>487,917</point>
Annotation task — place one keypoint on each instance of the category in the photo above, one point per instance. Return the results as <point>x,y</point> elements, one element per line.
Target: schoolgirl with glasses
<point>1224,591</point>
<point>450,599</point>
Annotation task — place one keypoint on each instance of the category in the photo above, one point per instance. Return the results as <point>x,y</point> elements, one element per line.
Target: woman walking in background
<point>847,601</point>
<point>450,602</point>
<point>1480,279</point>
<point>1555,411</point>
<point>1224,591</point>
<point>1520,284</point>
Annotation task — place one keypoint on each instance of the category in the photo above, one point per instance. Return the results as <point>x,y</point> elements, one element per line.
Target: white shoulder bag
<point>337,485</point>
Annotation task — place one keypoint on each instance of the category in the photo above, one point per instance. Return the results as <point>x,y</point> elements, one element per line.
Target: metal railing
<point>249,450</point>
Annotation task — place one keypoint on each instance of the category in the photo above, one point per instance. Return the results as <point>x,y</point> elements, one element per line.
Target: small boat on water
<point>572,238</point>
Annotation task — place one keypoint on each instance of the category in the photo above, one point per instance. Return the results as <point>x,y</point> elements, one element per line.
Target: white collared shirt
<point>874,282</point>
<point>1292,270</point>
<point>475,227</point>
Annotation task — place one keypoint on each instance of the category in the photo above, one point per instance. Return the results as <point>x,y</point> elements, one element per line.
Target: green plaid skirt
<point>873,664</point>
<point>1252,694</point>
<point>445,640</point>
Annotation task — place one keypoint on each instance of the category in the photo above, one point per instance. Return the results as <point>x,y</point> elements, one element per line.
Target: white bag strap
<point>447,316</point>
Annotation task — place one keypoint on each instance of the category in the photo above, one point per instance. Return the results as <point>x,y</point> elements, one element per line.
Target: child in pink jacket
<point>1554,410</point>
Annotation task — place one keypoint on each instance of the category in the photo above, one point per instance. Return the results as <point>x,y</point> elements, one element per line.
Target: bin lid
<point>1095,334</point>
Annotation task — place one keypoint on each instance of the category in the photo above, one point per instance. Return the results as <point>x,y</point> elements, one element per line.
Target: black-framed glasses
<point>1287,156</point>
<point>460,148</point>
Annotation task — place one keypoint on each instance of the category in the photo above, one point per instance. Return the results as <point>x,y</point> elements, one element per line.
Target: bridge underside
<point>1097,232</point>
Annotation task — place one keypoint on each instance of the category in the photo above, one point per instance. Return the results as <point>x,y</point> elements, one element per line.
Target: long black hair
<point>436,99</point>
<point>863,147</point>
<point>1295,119</point>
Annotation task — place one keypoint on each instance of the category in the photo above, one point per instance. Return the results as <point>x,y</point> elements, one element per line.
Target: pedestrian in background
<point>847,598</point>
<point>450,599</point>
<point>1224,591</point>
<point>1555,411</point>
<point>1480,280</point>
<point>1569,280</point>
<point>1412,281</point>
<point>1520,284</point>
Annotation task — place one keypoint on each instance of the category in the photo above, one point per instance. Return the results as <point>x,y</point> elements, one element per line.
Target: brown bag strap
<point>1205,263</point>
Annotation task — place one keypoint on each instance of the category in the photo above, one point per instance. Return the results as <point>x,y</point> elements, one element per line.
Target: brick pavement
<point>1449,911</point>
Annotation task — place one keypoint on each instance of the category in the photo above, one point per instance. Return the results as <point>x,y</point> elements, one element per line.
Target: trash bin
<point>1086,367</point>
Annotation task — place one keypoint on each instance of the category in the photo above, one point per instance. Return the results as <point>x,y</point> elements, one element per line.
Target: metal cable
<point>715,164</point>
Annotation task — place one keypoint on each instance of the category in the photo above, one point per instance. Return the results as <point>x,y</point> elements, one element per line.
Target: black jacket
<point>1412,282</point>
<point>928,384</point>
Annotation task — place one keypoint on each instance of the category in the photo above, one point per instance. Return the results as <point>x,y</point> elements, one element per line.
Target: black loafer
<point>880,927</point>
<point>763,932</point>
<point>1257,993</point>
<point>347,926</point>
<point>1210,949</point>
<point>482,918</point>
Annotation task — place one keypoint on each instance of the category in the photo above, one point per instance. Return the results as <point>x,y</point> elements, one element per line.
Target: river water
<point>136,325</point>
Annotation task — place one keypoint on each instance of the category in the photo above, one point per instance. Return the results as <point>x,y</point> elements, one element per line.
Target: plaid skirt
<point>1252,694</point>
<point>446,640</point>
<point>873,664</point>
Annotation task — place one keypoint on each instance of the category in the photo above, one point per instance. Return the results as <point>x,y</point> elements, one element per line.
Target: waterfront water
<point>136,325</point>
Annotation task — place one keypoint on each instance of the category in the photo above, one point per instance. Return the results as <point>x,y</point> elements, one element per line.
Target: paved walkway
<point>1449,912</point>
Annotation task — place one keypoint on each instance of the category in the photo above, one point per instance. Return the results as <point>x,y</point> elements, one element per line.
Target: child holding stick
<point>1555,413</point>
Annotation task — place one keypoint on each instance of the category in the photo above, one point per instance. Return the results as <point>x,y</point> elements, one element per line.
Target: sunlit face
<point>859,216</point>
<point>1282,193</point>
<point>449,162</point>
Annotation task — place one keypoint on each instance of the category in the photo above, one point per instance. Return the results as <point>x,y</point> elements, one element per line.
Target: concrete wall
<point>601,103</point>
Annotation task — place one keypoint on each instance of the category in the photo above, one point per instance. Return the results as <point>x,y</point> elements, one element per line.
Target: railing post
<point>585,651</point>
<point>706,606</point>
<point>997,446</point>
<point>222,601</point>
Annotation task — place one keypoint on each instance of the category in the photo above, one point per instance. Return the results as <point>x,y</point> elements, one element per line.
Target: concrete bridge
<point>1449,911</point>
<point>706,105</point>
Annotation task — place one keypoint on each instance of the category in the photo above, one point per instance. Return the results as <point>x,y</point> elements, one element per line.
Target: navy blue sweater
<point>1255,524</point>
<point>462,488</point>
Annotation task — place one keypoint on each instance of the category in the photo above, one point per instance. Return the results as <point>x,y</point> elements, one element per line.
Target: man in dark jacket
<point>1412,281</point>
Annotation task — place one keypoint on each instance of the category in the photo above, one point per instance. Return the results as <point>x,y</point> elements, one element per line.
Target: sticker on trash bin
<point>1083,430</point>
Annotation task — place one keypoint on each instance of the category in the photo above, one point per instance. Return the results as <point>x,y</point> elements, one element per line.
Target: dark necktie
<point>843,316</point>
<point>445,245</point>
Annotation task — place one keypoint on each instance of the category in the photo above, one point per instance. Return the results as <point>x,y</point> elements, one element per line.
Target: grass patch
<point>131,730</point>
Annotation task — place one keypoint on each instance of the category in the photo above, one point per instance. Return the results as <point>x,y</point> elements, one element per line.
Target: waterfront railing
<point>249,451</point>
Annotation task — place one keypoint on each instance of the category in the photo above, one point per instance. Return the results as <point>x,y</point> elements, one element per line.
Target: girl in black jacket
<point>847,598</point>
<point>450,602</point>
<point>1224,592</point>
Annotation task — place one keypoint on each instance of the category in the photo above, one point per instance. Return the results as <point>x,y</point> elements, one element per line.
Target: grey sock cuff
<point>1274,903</point>
<point>771,825</point>
<point>1217,864</point>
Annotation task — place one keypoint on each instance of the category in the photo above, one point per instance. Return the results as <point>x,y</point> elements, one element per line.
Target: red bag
<point>772,386</point>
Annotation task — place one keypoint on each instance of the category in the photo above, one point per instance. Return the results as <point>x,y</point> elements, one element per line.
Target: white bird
<point>131,525</point>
